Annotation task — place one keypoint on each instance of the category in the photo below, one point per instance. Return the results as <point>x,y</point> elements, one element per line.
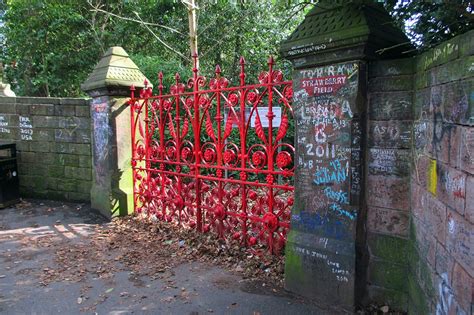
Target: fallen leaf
<point>109,290</point>
<point>167,299</point>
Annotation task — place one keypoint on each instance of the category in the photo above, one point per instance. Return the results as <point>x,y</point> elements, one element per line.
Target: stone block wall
<point>53,138</point>
<point>441,231</point>
<point>390,120</point>
<point>420,168</point>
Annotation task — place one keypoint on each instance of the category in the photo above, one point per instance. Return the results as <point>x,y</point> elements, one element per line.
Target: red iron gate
<point>217,158</point>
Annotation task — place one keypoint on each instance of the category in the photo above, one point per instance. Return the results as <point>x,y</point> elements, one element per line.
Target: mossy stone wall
<point>53,138</point>
<point>420,235</point>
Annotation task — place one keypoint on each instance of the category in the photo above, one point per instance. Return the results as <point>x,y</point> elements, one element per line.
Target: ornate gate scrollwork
<point>217,158</point>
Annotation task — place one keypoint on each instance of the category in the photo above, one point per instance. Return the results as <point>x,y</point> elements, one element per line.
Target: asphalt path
<point>31,234</point>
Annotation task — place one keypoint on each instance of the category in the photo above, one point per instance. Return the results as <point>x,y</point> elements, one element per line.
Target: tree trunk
<point>45,73</point>
<point>193,40</point>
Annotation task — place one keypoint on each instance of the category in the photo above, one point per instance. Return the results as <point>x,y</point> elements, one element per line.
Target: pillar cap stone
<point>114,70</point>
<point>343,25</point>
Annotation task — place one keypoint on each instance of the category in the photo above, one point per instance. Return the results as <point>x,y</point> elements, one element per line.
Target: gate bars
<point>213,157</point>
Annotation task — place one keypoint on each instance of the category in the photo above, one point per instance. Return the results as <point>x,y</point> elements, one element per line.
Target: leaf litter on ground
<point>153,249</point>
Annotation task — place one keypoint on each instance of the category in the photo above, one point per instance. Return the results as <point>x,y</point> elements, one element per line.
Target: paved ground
<point>31,235</point>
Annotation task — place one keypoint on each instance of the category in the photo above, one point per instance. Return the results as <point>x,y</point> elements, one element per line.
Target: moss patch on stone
<point>417,303</point>
<point>420,285</point>
<point>388,275</point>
<point>389,248</point>
<point>293,263</point>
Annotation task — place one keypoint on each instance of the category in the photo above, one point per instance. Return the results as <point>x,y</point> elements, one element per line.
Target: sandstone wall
<point>53,138</point>
<point>420,168</point>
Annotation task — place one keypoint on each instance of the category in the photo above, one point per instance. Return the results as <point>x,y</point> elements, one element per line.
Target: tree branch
<point>146,25</point>
<point>159,39</point>
<point>192,5</point>
<point>93,26</point>
<point>137,21</point>
<point>381,51</point>
<point>213,21</point>
<point>297,8</point>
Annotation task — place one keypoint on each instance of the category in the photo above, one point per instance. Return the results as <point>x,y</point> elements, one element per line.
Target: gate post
<point>326,252</point>
<point>109,87</point>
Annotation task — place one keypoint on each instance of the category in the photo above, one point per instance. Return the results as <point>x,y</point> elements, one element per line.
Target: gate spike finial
<point>160,82</point>
<point>218,70</point>
<point>271,61</point>
<point>177,77</point>
<point>242,70</point>
<point>160,78</point>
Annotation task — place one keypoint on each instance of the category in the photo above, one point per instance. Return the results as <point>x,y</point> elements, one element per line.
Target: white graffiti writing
<point>305,49</point>
<point>335,267</point>
<point>26,128</point>
<point>456,185</point>
<point>446,300</point>
<point>347,69</point>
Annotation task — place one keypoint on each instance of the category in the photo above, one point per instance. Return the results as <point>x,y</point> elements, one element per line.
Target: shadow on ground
<point>33,233</point>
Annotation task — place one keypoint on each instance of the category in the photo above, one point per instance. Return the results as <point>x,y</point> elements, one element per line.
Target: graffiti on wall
<point>101,131</point>
<point>4,124</point>
<point>446,300</point>
<point>26,128</point>
<point>328,141</point>
<point>432,177</point>
<point>467,149</point>
<point>328,175</point>
<point>337,270</point>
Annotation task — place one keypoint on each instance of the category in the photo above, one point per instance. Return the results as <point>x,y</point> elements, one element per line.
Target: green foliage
<point>48,46</point>
<point>428,23</point>
<point>252,29</point>
<point>152,65</point>
<point>52,45</point>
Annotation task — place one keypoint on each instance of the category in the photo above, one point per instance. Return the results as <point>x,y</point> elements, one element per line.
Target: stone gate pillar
<point>109,86</point>
<point>329,51</point>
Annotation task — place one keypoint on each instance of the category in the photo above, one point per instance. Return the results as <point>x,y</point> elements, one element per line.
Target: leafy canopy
<point>50,46</point>
<point>428,23</point>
